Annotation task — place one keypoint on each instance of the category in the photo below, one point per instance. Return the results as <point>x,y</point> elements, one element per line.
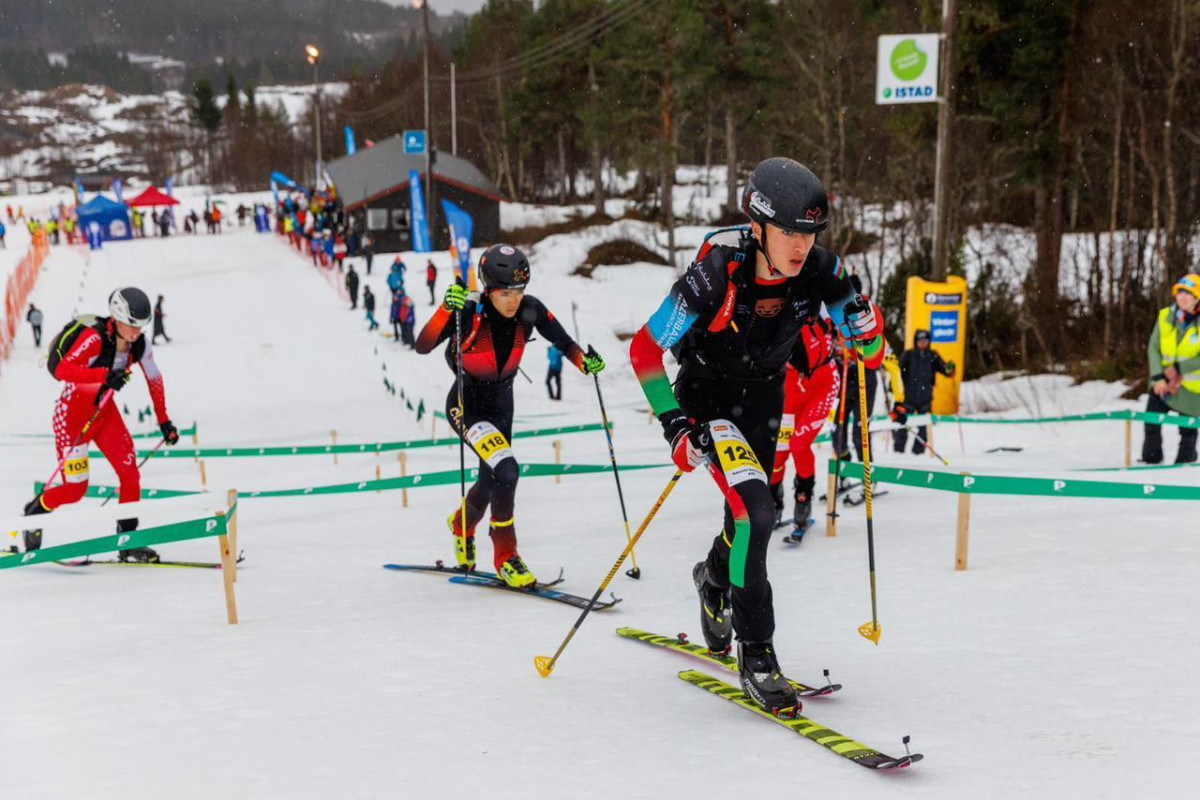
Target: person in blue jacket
<point>554,373</point>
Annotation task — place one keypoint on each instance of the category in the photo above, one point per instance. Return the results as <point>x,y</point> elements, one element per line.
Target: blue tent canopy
<point>112,217</point>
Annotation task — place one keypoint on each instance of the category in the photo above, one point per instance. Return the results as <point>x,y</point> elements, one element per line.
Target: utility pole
<point>429,215</point>
<point>941,191</point>
<point>314,58</point>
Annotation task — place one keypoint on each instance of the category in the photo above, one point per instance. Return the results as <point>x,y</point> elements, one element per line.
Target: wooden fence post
<point>558,459</point>
<point>403,474</point>
<point>227,575</point>
<point>964,529</point>
<point>232,528</point>
<point>203,475</point>
<point>1128,443</point>
<point>831,500</point>
<point>333,435</point>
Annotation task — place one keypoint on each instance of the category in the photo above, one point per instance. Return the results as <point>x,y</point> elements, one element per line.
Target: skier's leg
<point>113,440</point>
<point>1152,452</point>
<point>70,415</point>
<point>1187,446</point>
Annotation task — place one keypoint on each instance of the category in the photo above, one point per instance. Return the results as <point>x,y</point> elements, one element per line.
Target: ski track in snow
<point>1043,671</point>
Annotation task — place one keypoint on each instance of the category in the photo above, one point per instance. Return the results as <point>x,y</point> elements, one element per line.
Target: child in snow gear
<point>732,322</point>
<point>496,325</point>
<point>369,305</point>
<point>810,391</point>
<point>554,373</point>
<point>93,357</point>
<point>919,367</point>
<point>396,313</point>
<point>1174,358</point>
<point>431,281</point>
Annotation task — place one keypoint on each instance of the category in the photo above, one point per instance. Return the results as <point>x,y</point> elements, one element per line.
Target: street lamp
<point>314,58</point>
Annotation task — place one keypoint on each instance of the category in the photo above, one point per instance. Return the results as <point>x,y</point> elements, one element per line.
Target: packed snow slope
<point>1058,666</point>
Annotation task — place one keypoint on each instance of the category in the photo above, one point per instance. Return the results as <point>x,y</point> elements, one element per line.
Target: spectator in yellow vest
<point>1174,356</point>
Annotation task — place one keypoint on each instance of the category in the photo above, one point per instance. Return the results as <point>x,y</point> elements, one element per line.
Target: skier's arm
<point>699,290</point>
<point>158,390</point>
<point>438,329</point>
<point>73,366</point>
<point>838,293</point>
<point>549,327</point>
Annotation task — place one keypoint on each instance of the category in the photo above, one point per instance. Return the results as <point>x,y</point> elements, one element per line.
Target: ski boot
<point>763,682</point>
<point>464,543</point>
<point>33,536</point>
<point>515,574</point>
<point>135,555</point>
<point>802,515</point>
<point>1187,448</point>
<point>777,497</point>
<point>509,565</point>
<point>716,615</point>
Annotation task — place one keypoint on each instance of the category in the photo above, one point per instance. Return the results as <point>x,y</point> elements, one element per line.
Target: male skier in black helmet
<point>732,321</point>
<point>496,326</point>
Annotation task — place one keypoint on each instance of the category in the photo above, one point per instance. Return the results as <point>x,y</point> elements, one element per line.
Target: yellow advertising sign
<point>941,309</point>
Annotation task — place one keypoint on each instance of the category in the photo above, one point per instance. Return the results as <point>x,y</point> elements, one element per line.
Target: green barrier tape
<point>155,435</point>
<point>1026,487</point>
<point>385,484</point>
<point>341,449</point>
<point>176,532</point>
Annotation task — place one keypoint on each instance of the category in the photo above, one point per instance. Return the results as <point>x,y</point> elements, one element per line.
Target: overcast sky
<point>445,6</point>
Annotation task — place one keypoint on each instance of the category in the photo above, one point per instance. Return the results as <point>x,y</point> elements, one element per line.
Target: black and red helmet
<point>503,266</point>
<point>787,194</point>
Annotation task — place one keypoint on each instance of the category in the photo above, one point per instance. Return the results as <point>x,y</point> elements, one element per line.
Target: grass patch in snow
<point>619,252</point>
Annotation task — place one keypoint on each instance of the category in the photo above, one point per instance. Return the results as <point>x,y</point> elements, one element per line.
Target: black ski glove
<point>170,432</point>
<point>117,378</point>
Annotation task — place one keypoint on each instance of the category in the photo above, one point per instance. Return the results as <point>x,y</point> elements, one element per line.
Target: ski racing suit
<point>810,390</point>
<point>492,347</point>
<point>732,335</point>
<point>82,370</point>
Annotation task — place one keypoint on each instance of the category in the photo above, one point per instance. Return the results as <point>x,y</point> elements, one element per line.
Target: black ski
<point>797,534</point>
<point>113,562</point>
<point>680,644</point>
<point>831,740</point>
<point>539,590</point>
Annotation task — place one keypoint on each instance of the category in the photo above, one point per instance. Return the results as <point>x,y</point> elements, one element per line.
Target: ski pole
<point>839,433</point>
<point>928,446</point>
<point>82,433</point>
<point>462,428</point>
<point>545,665</point>
<point>869,630</point>
<point>141,463</point>
<point>635,571</point>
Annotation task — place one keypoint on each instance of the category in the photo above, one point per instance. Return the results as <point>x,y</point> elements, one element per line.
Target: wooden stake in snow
<point>1128,443</point>
<point>232,528</point>
<point>831,506</point>
<point>403,474</point>
<point>558,458</point>
<point>203,476</point>
<point>333,435</point>
<point>227,575</point>
<point>964,529</point>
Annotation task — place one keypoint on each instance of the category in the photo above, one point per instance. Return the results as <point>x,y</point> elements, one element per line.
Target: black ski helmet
<point>786,193</point>
<point>503,266</point>
<point>131,306</point>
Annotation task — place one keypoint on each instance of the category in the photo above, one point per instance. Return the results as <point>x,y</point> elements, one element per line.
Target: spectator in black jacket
<point>919,367</point>
<point>352,286</point>
<point>34,317</point>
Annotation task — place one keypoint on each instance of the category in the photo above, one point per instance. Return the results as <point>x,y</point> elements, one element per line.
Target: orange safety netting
<point>20,284</point>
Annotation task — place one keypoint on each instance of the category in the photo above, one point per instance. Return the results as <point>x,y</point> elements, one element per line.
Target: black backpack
<point>65,339</point>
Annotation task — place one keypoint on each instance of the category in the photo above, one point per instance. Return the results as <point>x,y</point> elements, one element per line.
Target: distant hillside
<point>262,39</point>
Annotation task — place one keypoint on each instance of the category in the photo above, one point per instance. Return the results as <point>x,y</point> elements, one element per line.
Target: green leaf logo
<point>908,62</point>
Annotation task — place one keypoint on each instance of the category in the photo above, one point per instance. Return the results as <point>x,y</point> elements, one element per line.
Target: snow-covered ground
<point>1057,666</point>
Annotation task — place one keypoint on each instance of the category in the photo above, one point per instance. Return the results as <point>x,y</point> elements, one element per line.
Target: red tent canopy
<point>153,197</point>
